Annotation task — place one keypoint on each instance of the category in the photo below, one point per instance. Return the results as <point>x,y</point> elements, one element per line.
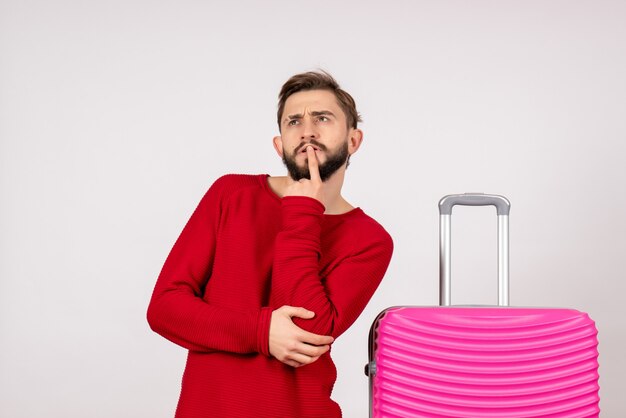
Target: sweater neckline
<point>263,179</point>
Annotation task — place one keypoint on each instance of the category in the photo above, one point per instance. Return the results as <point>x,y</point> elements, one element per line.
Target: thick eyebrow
<point>313,113</point>
<point>322,112</point>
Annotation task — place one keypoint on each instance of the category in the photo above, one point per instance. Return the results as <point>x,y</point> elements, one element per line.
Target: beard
<point>334,162</point>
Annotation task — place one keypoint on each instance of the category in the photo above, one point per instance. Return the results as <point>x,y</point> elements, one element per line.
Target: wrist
<point>305,203</point>
<point>263,330</point>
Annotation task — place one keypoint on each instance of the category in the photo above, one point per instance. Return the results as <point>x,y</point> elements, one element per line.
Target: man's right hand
<point>291,344</point>
<point>313,187</point>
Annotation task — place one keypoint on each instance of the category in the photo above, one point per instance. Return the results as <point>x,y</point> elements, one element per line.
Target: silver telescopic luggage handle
<point>503,207</point>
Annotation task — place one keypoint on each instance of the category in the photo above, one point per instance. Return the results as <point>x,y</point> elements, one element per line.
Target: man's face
<point>313,117</point>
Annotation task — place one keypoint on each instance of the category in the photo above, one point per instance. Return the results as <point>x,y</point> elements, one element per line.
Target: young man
<point>269,271</point>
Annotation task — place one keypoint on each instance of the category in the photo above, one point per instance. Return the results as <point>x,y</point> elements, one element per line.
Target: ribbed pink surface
<point>485,362</point>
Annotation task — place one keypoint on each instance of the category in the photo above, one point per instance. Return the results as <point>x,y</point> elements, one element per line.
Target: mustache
<point>311,142</point>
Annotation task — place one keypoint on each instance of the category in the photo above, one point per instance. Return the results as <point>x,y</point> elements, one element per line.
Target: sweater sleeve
<point>177,310</point>
<point>339,297</point>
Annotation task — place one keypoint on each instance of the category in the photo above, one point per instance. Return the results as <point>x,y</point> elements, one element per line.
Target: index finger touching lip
<point>310,149</point>
<point>313,163</point>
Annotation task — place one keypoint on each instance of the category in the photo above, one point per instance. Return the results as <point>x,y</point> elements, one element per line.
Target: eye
<point>292,122</point>
<point>323,119</point>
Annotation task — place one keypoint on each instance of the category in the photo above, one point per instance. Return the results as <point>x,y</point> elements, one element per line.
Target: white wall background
<point>115,117</point>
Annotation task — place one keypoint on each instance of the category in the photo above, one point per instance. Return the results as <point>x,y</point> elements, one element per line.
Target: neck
<point>333,185</point>
<point>335,203</point>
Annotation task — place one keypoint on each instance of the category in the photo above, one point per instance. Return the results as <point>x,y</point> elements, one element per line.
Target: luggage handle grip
<point>503,207</point>
<point>502,204</point>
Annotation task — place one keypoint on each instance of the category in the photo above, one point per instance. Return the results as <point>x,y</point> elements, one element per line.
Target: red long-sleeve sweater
<point>244,253</point>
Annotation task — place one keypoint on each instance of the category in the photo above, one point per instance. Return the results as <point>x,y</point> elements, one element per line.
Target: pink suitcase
<point>470,361</point>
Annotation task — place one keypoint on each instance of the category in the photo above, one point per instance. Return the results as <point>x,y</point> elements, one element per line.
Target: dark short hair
<point>318,80</point>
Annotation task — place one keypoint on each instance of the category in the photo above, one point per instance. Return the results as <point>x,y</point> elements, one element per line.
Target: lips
<point>313,143</point>
<point>309,145</point>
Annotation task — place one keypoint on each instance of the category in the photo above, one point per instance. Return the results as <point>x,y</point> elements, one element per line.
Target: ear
<point>278,145</point>
<point>355,138</point>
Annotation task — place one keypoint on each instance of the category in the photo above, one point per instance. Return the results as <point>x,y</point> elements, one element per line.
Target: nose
<point>309,130</point>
